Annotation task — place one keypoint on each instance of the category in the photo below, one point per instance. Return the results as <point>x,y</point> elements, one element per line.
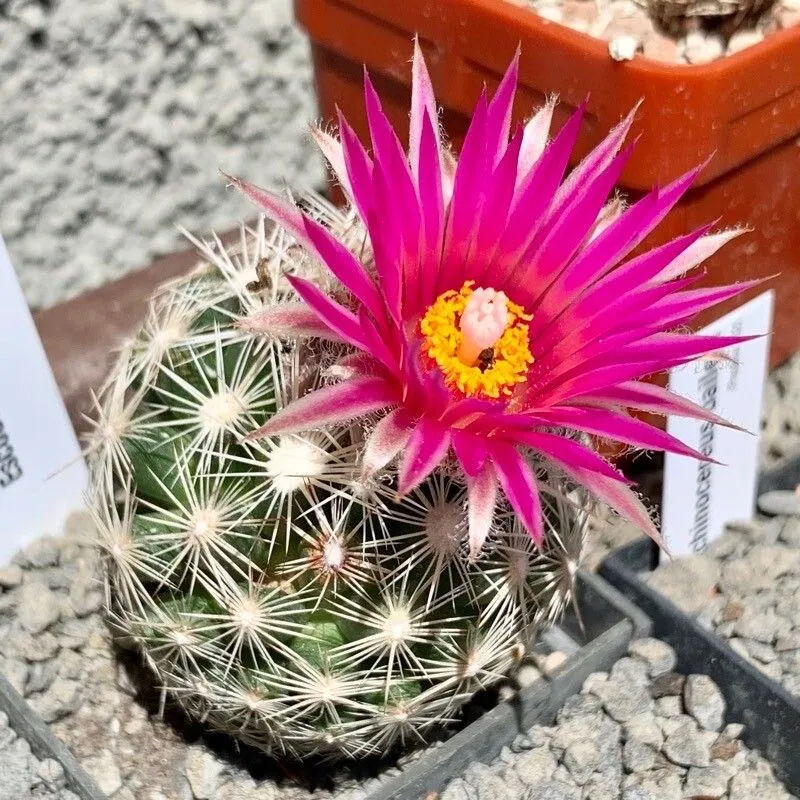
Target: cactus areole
<point>342,474</point>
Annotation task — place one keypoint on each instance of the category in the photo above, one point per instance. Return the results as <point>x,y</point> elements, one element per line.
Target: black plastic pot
<point>610,621</point>
<point>770,714</point>
<point>44,744</point>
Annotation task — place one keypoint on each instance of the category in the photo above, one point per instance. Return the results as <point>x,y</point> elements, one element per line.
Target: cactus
<point>275,593</point>
<point>342,474</point>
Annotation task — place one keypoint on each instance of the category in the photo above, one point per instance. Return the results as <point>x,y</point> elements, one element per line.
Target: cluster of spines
<point>277,595</point>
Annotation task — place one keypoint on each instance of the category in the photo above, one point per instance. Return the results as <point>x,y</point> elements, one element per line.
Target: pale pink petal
<point>387,439</point>
<point>534,138</point>
<point>598,159</point>
<point>338,403</point>
<point>358,166</point>
<point>424,451</point>
<point>332,150</point>
<point>423,103</point>
<point>697,253</point>
<point>608,215</point>
<point>288,320</point>
<point>449,164</point>
<point>481,502</point>
<point>353,364</point>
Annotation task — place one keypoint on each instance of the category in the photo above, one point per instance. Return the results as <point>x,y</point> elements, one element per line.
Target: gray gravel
<point>780,415</point>
<point>589,754</point>
<point>746,588</point>
<point>118,115</point>
<point>640,732</point>
<point>24,776</point>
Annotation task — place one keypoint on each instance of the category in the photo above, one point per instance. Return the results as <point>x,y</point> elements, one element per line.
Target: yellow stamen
<point>511,354</point>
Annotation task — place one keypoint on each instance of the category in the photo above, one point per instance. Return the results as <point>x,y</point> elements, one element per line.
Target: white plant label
<point>42,474</point>
<point>699,498</point>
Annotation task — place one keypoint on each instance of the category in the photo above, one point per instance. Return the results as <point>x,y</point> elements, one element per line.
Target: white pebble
<point>552,661</point>
<point>550,12</point>
<point>624,48</point>
<point>744,39</point>
<point>700,48</point>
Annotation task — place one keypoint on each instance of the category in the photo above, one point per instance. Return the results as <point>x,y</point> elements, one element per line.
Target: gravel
<point>641,731</point>
<point>24,776</point>
<point>746,588</point>
<point>629,31</point>
<point>780,425</point>
<point>588,755</point>
<point>134,107</point>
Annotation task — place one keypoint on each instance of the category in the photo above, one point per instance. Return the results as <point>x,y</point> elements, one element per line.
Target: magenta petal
<point>599,308</point>
<point>598,159</point>
<point>675,347</point>
<point>387,439</point>
<point>621,498</point>
<point>359,168</point>
<point>419,292</point>
<point>682,306</point>
<point>618,427</point>
<point>333,316</point>
<point>567,452</point>
<point>618,240</point>
<point>380,345</point>
<point>481,502</point>
<point>535,194</point>
<point>345,266</point>
<point>494,218</point>
<point>654,399</point>
<point>334,404</point>
<point>469,189</point>
<point>470,451</point>
<point>426,448</point>
<point>498,120</point>
<point>519,486</point>
<point>288,320</point>
<point>558,240</point>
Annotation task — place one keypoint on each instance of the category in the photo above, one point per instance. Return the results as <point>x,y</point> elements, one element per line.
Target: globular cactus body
<point>277,594</point>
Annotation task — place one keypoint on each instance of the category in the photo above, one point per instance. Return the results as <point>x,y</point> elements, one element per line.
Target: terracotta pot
<point>743,109</point>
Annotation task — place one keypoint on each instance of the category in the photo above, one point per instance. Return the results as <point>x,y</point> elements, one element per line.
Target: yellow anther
<point>510,359</point>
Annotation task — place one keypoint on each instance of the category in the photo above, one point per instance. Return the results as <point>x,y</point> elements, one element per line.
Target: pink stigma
<point>483,322</point>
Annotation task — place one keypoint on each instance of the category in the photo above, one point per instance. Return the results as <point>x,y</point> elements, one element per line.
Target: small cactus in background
<point>680,17</point>
<point>342,474</point>
<point>277,594</point>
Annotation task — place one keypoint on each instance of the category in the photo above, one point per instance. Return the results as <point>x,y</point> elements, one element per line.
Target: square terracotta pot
<point>744,109</point>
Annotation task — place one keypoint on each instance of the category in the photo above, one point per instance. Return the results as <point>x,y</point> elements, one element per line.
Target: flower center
<point>479,340</point>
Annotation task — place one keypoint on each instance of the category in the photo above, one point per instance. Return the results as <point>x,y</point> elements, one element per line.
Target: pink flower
<point>498,314</point>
